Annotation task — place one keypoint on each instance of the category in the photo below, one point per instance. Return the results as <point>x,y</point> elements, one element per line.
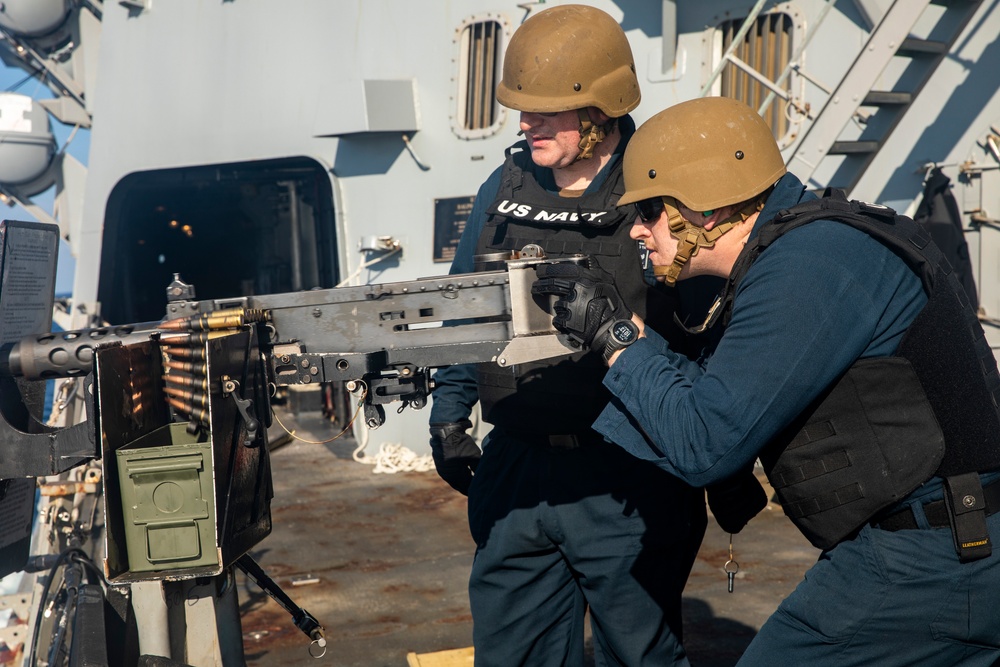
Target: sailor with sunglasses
<point>564,521</point>
<point>850,363</point>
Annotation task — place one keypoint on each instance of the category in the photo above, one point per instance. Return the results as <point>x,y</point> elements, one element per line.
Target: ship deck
<point>382,561</point>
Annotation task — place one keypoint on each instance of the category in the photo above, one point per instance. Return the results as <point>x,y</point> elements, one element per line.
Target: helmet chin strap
<point>691,238</point>
<point>591,134</point>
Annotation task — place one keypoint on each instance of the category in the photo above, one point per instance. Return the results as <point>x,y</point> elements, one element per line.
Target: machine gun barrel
<point>65,353</point>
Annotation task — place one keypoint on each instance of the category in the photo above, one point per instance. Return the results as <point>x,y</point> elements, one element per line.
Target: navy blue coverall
<point>560,530</point>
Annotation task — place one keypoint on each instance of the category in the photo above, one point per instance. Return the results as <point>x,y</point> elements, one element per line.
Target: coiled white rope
<point>392,458</point>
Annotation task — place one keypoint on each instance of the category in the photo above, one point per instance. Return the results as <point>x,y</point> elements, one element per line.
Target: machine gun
<point>383,340</point>
<point>177,410</point>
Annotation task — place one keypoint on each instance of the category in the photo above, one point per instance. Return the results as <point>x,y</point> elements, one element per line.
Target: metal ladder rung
<point>877,98</point>
<point>853,147</point>
<point>913,46</point>
<point>889,38</point>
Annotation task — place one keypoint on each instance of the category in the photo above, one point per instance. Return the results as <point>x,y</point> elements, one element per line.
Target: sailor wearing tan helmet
<point>563,520</point>
<point>850,362</point>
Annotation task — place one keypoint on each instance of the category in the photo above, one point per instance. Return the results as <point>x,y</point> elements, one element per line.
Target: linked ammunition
<point>195,368</point>
<point>194,398</point>
<point>220,319</point>
<point>191,338</point>
<point>192,353</point>
<point>185,380</point>
<point>193,413</point>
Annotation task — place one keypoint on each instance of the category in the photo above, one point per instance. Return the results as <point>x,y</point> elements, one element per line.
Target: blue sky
<point>13,80</point>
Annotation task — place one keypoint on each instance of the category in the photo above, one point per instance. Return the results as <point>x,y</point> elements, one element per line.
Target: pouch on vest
<point>966,505</point>
<point>863,445</point>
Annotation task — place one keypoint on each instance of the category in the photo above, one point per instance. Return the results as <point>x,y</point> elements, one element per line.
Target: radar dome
<point>27,144</point>
<point>33,18</point>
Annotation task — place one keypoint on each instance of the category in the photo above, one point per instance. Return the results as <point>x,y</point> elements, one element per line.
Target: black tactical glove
<point>736,500</point>
<point>455,453</point>
<point>587,302</point>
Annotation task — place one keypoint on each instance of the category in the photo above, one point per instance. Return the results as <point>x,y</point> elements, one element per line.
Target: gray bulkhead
<point>321,135</point>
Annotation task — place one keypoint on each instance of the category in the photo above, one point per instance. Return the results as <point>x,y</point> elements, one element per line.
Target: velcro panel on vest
<point>864,445</point>
<point>827,501</point>
<point>959,377</point>
<point>521,197</point>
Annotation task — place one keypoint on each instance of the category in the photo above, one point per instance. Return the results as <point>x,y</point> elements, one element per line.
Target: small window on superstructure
<point>766,48</point>
<point>480,49</point>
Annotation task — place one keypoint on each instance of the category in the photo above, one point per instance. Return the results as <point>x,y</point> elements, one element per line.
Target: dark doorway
<point>230,230</point>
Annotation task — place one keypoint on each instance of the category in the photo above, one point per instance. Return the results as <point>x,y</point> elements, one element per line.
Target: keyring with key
<point>731,567</point>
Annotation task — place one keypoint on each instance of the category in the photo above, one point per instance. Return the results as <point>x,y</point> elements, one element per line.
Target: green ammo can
<point>168,501</point>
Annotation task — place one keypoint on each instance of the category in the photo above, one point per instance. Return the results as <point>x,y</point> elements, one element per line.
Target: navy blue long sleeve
<point>818,299</point>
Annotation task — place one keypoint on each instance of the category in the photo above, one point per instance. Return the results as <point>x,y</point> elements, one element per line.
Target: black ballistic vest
<point>563,395</point>
<point>888,424</point>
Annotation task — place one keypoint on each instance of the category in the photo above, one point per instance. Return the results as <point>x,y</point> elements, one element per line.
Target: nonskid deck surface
<point>382,561</point>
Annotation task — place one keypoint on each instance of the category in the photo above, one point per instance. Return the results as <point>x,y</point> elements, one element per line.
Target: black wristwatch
<point>622,334</point>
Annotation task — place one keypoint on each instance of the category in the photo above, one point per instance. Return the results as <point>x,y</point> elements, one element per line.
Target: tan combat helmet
<point>704,153</point>
<point>570,57</point>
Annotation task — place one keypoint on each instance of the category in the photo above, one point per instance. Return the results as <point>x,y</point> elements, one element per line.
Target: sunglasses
<point>649,210</point>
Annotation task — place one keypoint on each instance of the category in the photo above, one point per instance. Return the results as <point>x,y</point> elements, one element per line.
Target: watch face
<point>624,331</point>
